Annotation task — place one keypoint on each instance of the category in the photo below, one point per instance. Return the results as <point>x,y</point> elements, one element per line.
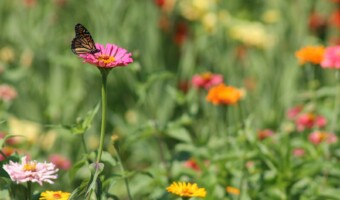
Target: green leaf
<point>76,167</point>
<point>82,124</point>
<point>79,192</point>
<point>4,195</point>
<point>180,134</point>
<point>95,184</point>
<point>3,140</point>
<point>148,174</point>
<point>107,157</point>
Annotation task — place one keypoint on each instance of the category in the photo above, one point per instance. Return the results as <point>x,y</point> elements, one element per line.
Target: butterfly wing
<point>83,42</point>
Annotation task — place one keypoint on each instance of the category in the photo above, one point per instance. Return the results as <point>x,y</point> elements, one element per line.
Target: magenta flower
<point>331,57</point>
<point>109,57</point>
<point>320,136</point>
<point>206,80</point>
<point>31,171</point>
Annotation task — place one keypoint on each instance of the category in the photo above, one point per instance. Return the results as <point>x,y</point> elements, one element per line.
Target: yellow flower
<point>28,129</point>
<point>271,16</point>
<point>232,190</point>
<point>54,195</point>
<point>209,22</point>
<point>7,54</point>
<point>196,9</point>
<point>311,54</point>
<point>183,189</point>
<point>252,34</point>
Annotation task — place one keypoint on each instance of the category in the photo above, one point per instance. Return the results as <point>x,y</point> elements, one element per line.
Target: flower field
<point>170,100</point>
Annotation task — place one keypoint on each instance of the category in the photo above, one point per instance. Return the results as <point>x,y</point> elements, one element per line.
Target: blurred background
<point>251,43</point>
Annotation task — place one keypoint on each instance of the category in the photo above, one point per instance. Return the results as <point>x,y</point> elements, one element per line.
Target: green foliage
<point>160,128</point>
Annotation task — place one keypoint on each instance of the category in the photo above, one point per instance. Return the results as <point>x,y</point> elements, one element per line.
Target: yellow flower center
<point>206,76</point>
<point>186,192</point>
<point>106,59</point>
<point>323,136</point>
<point>30,167</point>
<point>56,196</point>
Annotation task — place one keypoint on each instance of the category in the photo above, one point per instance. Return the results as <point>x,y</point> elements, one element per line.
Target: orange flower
<point>311,54</point>
<point>232,190</point>
<point>222,94</point>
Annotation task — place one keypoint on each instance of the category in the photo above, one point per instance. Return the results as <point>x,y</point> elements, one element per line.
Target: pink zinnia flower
<point>31,171</point>
<point>7,93</point>
<point>206,80</point>
<point>331,58</point>
<point>60,161</point>
<point>309,120</point>
<point>109,57</point>
<point>320,136</point>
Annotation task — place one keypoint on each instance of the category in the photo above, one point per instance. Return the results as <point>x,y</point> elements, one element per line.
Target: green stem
<point>29,190</point>
<point>84,143</point>
<point>161,145</point>
<point>122,171</point>
<point>104,72</point>
<point>337,101</point>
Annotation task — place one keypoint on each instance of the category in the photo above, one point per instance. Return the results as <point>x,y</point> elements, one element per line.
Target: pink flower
<point>31,171</point>
<point>7,93</point>
<point>263,134</point>
<point>320,121</point>
<point>331,58</point>
<point>60,161</point>
<point>320,136</point>
<point>298,152</point>
<point>293,112</point>
<point>309,120</point>
<point>206,80</point>
<point>109,57</point>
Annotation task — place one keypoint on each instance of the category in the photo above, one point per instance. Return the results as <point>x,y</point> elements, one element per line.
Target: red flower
<point>181,33</point>
<point>316,22</point>
<point>7,151</point>
<point>191,163</point>
<point>263,134</point>
<point>335,19</point>
<point>160,3</point>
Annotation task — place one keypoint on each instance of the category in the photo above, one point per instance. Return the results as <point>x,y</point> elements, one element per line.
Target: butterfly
<point>83,43</point>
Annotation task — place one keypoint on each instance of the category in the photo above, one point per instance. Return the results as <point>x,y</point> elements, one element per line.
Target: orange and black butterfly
<point>83,43</point>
